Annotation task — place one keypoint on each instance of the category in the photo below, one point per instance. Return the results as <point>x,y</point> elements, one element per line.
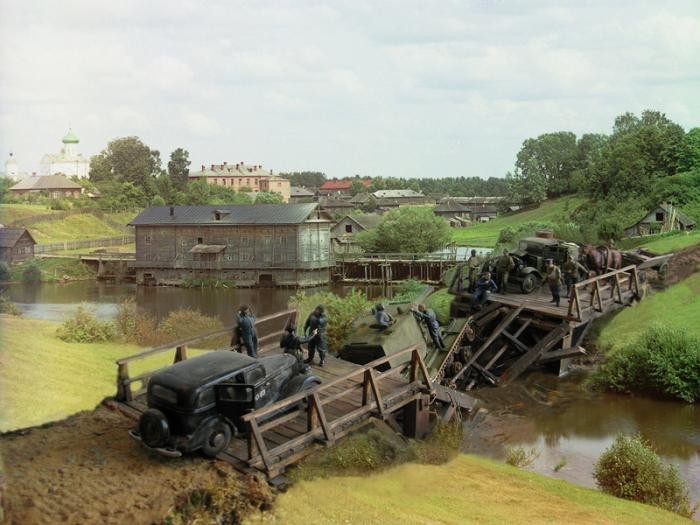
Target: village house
<point>388,199</point>
<point>55,186</point>
<point>299,194</point>
<point>16,244</point>
<point>336,206</point>
<point>341,187</point>
<point>344,232</point>
<point>664,218</point>
<point>481,209</point>
<point>252,245</point>
<point>241,176</point>
<point>453,212</point>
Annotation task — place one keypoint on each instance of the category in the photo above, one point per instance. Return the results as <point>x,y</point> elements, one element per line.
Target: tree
<point>307,179</point>
<point>690,154</point>
<point>550,159</point>
<point>179,167</point>
<point>407,229</point>
<point>268,197</point>
<point>525,190</point>
<point>126,160</point>
<point>356,187</point>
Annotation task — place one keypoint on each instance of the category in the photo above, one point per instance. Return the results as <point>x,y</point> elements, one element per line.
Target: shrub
<point>408,291</point>
<point>630,469</point>
<point>520,456</point>
<point>31,273</point>
<point>83,327</point>
<point>441,445</point>
<point>7,306</point>
<point>4,271</point>
<point>60,204</point>
<point>133,326</point>
<point>662,361</point>
<point>341,312</point>
<point>184,323</point>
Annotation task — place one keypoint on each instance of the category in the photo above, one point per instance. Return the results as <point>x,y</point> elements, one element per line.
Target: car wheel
<point>153,428</point>
<point>217,439</point>
<point>530,283</point>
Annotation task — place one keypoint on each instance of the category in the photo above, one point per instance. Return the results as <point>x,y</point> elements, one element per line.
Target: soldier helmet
<point>243,309</point>
<point>379,307</point>
<point>319,308</point>
<point>291,327</point>
<point>473,252</point>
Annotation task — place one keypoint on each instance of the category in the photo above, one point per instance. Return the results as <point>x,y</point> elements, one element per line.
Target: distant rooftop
<point>230,214</point>
<point>239,169</point>
<point>46,182</point>
<point>395,194</point>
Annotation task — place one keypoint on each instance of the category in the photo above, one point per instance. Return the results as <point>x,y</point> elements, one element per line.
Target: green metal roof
<point>70,138</point>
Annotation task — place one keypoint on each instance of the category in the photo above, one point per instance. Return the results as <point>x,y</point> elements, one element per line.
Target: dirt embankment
<point>683,264</point>
<point>86,469</point>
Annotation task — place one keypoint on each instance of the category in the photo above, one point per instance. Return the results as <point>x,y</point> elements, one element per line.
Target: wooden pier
<point>283,433</point>
<point>393,267</point>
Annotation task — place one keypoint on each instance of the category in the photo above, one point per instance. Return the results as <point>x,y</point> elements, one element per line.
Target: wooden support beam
<point>544,345</point>
<point>375,391</point>
<point>123,385</point>
<point>315,402</point>
<point>260,444</point>
<point>180,353</point>
<point>513,339</point>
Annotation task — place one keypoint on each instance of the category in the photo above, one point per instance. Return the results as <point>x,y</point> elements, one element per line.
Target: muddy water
<point>54,302</point>
<point>564,422</point>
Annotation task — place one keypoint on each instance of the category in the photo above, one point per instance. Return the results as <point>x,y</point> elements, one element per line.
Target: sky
<point>392,88</point>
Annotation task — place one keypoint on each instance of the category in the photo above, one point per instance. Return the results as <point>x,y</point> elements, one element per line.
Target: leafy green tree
<point>407,229</point>
<point>268,197</point>
<point>369,206</point>
<point>307,179</point>
<point>127,160</point>
<point>550,159</point>
<point>525,190</point>
<point>690,155</point>
<point>356,187</point>
<point>157,201</point>
<point>179,167</point>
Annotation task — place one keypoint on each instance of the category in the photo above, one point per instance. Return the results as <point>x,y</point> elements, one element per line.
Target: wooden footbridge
<point>283,433</point>
<point>392,267</point>
<point>514,331</point>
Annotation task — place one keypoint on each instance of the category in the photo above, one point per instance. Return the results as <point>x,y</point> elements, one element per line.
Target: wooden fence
<point>83,244</point>
<point>614,287</point>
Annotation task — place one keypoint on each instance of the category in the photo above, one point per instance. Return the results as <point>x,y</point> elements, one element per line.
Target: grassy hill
<point>486,234</point>
<point>13,212</point>
<point>466,490</point>
<point>44,379</point>
<point>677,307</point>
<point>666,243</point>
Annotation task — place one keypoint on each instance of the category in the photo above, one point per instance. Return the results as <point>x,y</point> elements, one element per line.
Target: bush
<point>662,361</point>
<point>183,323</point>
<point>630,469</point>
<point>4,271</point>
<point>135,327</point>
<point>31,273</point>
<point>7,306</point>
<point>408,291</point>
<point>83,327</point>
<point>441,445</point>
<point>520,456</point>
<point>341,312</point>
<point>60,204</point>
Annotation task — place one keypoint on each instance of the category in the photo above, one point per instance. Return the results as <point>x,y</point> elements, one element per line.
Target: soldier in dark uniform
<point>430,319</point>
<point>245,334</point>
<point>382,318</point>
<point>554,281</point>
<point>484,286</point>
<point>291,343</point>
<point>317,321</point>
<point>570,269</point>
<point>504,266</point>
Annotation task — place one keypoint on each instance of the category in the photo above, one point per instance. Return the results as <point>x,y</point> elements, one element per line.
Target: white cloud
<point>395,88</point>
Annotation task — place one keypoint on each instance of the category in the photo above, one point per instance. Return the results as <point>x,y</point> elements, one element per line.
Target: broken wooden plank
<point>525,361</point>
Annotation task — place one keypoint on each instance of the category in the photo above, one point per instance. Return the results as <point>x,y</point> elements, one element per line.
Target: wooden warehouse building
<point>252,245</point>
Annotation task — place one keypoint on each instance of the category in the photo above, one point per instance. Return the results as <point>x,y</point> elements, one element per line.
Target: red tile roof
<point>343,184</point>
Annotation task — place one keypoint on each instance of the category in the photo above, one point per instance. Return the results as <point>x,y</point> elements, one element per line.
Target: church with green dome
<point>68,161</point>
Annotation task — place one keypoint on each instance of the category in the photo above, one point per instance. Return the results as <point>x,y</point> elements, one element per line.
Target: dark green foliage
<point>549,160</point>
<point>60,204</point>
<point>126,159</point>
<point>630,469</point>
<point>83,327</point>
<point>662,362</point>
<point>179,167</point>
<point>509,236</point>
<point>407,230</point>
<point>307,179</point>
<point>7,306</point>
<point>268,197</point>
<point>682,190</point>
<point>31,273</point>
<point>5,185</point>
<point>408,291</point>
<point>4,271</point>
<point>690,155</point>
<point>157,201</point>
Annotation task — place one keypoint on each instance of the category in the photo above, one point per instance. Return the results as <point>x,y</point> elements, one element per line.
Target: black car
<point>198,403</point>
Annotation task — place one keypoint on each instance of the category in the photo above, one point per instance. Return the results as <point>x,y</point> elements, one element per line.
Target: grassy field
<point>466,490</point>
<point>13,212</point>
<point>677,307</point>
<point>44,379</point>
<point>72,228</point>
<point>54,269</point>
<point>667,243</point>
<point>486,234</point>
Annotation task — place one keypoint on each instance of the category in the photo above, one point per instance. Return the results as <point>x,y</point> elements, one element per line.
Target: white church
<point>68,162</point>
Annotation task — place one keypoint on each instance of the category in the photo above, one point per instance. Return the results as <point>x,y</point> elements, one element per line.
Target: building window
<point>659,216</point>
<point>200,240</point>
<point>348,228</point>
<point>147,239</point>
<point>227,257</point>
<point>183,242</point>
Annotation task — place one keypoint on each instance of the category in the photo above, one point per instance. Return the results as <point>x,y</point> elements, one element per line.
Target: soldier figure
<point>291,343</point>
<point>570,273</point>
<point>504,266</point>
<point>483,287</point>
<point>382,318</point>
<point>245,334</point>
<point>430,319</point>
<point>317,321</point>
<point>474,265</point>
<point>554,281</point>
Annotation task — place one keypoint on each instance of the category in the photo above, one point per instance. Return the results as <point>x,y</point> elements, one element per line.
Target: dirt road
<point>85,469</point>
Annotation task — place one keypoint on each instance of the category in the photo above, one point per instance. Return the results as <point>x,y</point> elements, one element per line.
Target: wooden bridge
<point>283,433</point>
<point>391,267</point>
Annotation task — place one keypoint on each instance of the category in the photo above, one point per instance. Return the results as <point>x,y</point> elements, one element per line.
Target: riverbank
<point>467,489</point>
<point>53,270</point>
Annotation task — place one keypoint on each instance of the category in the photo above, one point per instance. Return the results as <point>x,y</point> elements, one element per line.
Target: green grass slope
<point>667,243</point>
<point>466,490</point>
<point>72,228</point>
<point>486,234</point>
<point>14,212</point>
<point>677,307</point>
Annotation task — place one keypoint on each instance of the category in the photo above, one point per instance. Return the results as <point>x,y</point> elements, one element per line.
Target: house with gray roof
<point>56,186</point>
<point>344,232</point>
<point>250,245</point>
<point>662,219</point>
<point>16,244</point>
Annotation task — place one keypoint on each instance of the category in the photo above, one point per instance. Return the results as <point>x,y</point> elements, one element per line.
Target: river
<point>559,418</point>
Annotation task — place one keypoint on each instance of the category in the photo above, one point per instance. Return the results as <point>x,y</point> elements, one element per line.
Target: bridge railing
<point>311,406</point>
<point>615,286</point>
<point>125,381</point>
<point>398,257</point>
